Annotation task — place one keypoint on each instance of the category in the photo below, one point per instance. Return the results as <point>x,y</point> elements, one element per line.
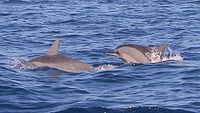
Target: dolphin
<point>55,60</point>
<point>133,53</point>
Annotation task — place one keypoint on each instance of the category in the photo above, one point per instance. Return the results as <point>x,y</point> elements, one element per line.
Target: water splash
<point>105,67</point>
<point>21,63</point>
<point>154,55</point>
<point>170,54</point>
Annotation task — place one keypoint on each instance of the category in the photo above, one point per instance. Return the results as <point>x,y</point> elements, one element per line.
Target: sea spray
<point>21,63</point>
<point>154,55</point>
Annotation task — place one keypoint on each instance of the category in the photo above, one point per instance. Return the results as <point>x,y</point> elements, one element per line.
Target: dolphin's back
<point>143,49</point>
<point>55,60</point>
<point>61,62</point>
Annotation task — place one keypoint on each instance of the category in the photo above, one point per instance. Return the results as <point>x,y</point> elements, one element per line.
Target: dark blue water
<point>87,29</point>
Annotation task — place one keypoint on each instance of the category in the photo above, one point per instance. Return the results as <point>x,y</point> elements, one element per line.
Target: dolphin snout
<point>112,53</point>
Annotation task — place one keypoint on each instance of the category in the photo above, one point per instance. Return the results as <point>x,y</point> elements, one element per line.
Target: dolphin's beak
<point>112,53</point>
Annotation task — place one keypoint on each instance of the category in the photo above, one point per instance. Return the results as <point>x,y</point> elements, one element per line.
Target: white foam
<point>170,54</point>
<point>155,56</point>
<point>21,63</point>
<point>105,67</point>
<point>177,57</point>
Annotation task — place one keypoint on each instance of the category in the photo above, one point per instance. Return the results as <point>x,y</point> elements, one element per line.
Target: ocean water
<point>87,29</point>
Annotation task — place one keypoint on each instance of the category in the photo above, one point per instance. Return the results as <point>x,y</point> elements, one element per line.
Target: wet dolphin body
<point>55,60</point>
<point>132,53</point>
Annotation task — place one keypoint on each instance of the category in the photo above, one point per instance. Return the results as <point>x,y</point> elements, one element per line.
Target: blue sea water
<point>87,29</point>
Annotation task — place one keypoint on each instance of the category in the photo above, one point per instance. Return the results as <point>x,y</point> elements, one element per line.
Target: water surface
<point>87,29</point>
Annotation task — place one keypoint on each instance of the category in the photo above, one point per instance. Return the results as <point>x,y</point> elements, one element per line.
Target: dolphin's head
<point>126,48</point>
<point>121,55</point>
<point>130,54</point>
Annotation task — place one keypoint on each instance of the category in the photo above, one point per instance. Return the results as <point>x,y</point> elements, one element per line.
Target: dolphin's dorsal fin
<point>162,47</point>
<point>54,49</point>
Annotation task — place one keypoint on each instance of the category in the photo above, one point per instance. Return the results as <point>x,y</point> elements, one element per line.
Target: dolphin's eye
<point>117,52</point>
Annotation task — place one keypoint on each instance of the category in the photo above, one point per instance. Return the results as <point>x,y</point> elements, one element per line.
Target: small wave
<point>21,63</point>
<point>123,110</point>
<point>5,14</point>
<point>15,1</point>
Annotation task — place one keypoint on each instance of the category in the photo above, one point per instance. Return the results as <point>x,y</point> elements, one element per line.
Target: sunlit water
<point>89,28</point>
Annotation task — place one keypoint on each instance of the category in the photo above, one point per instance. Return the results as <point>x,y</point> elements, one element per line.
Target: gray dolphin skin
<point>55,60</point>
<point>132,53</point>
